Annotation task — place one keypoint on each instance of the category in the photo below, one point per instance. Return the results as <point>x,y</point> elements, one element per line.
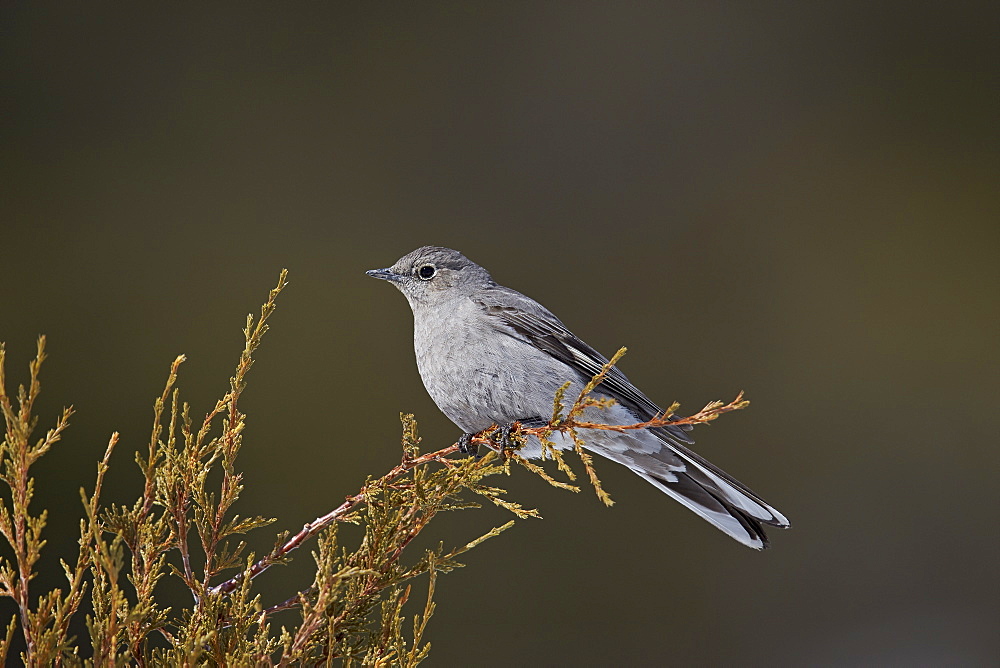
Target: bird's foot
<point>503,438</point>
<point>466,446</point>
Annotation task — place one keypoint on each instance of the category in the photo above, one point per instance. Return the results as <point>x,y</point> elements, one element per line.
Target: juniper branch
<point>311,529</point>
<point>571,424</point>
<point>22,530</point>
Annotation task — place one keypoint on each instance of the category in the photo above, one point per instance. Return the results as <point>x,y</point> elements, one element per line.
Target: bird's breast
<point>477,375</point>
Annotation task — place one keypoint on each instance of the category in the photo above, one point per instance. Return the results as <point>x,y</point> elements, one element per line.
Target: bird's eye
<point>427,272</point>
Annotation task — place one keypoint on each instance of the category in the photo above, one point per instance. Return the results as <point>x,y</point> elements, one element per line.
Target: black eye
<point>427,272</point>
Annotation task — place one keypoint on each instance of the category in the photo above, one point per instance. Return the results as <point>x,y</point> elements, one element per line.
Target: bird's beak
<point>385,274</point>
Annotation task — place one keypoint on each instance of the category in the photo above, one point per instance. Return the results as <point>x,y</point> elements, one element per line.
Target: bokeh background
<point>794,199</point>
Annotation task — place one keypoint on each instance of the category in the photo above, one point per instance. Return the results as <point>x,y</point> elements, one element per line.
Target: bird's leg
<point>466,446</point>
<point>500,437</point>
<point>503,435</point>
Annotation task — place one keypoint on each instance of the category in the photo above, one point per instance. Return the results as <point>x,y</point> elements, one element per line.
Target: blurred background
<point>794,199</point>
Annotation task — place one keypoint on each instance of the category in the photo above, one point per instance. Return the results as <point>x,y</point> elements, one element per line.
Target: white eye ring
<point>426,272</point>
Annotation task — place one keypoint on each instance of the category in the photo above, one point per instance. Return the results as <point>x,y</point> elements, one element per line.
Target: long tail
<point>712,493</point>
<point>697,484</point>
<point>712,506</point>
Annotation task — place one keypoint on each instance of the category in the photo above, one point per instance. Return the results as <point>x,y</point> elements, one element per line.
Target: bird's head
<point>432,274</point>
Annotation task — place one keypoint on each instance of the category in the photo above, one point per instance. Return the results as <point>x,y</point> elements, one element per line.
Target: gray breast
<point>478,375</point>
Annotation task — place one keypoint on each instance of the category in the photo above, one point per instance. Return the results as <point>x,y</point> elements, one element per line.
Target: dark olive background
<point>794,199</point>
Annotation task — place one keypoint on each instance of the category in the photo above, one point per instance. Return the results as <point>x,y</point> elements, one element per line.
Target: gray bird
<point>488,354</point>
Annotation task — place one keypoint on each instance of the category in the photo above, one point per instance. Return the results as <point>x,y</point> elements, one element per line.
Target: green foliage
<point>184,527</point>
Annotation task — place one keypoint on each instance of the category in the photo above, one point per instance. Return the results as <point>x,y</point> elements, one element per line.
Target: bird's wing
<point>699,485</point>
<point>524,318</point>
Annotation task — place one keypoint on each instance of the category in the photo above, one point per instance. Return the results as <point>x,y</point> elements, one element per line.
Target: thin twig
<point>312,528</point>
<point>710,412</point>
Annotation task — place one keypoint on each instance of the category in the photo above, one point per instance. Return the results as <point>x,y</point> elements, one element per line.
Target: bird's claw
<point>466,446</point>
<point>501,439</point>
<point>502,436</point>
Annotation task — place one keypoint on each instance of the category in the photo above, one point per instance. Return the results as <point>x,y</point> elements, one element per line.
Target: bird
<point>489,355</point>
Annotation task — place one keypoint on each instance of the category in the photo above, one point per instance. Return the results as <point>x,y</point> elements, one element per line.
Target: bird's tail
<point>702,487</point>
<point>716,496</point>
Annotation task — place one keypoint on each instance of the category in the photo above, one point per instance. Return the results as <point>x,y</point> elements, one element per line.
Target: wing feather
<point>521,316</point>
